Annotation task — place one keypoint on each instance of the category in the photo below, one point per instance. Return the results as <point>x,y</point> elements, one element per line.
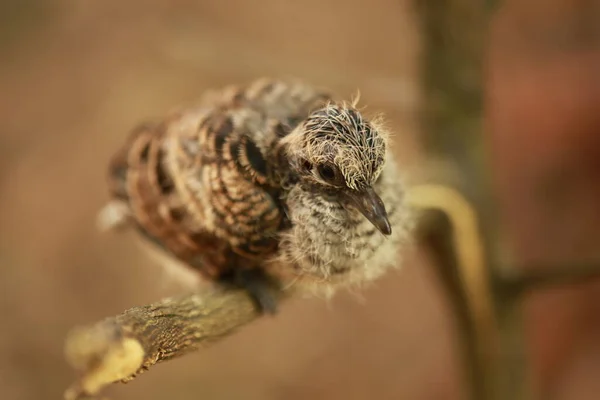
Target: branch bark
<point>121,347</point>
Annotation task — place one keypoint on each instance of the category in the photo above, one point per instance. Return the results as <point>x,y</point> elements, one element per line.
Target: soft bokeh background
<point>75,76</point>
<point>544,141</point>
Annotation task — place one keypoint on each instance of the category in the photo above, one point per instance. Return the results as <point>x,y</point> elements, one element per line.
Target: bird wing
<point>199,183</point>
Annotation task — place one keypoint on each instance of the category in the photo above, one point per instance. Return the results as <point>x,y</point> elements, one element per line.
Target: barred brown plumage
<point>270,179</point>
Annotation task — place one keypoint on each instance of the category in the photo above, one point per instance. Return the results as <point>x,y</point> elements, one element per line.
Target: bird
<point>271,182</point>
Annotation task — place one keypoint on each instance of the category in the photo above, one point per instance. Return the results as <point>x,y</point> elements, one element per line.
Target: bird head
<point>339,154</point>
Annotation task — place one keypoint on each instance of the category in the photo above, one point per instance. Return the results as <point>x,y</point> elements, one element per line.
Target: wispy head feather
<point>355,99</point>
<point>339,134</point>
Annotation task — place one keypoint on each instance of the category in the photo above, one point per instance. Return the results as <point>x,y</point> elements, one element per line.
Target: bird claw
<point>260,287</point>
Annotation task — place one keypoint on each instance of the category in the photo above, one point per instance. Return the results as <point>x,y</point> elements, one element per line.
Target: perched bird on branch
<point>271,181</point>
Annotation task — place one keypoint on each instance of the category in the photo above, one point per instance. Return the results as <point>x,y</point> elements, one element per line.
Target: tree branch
<point>119,348</point>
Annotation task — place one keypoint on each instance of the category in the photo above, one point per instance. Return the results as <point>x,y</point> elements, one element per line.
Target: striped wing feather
<point>200,183</point>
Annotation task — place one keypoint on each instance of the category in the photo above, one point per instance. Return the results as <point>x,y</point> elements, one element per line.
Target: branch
<point>449,229</point>
<point>525,279</point>
<point>119,348</point>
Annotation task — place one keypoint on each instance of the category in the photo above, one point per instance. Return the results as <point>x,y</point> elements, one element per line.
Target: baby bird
<point>268,182</point>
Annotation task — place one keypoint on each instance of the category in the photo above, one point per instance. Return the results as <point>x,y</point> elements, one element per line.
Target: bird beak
<point>372,207</point>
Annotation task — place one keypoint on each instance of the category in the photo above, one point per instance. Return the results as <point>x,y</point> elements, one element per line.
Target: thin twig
<point>522,280</point>
<point>119,348</point>
<point>460,262</point>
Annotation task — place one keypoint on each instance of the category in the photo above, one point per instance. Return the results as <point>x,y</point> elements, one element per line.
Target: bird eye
<point>306,165</point>
<point>327,172</point>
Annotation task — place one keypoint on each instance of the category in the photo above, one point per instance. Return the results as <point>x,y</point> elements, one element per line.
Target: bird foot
<point>260,287</point>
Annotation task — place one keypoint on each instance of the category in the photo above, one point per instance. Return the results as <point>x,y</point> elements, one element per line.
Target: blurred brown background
<point>544,144</point>
<point>75,76</point>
